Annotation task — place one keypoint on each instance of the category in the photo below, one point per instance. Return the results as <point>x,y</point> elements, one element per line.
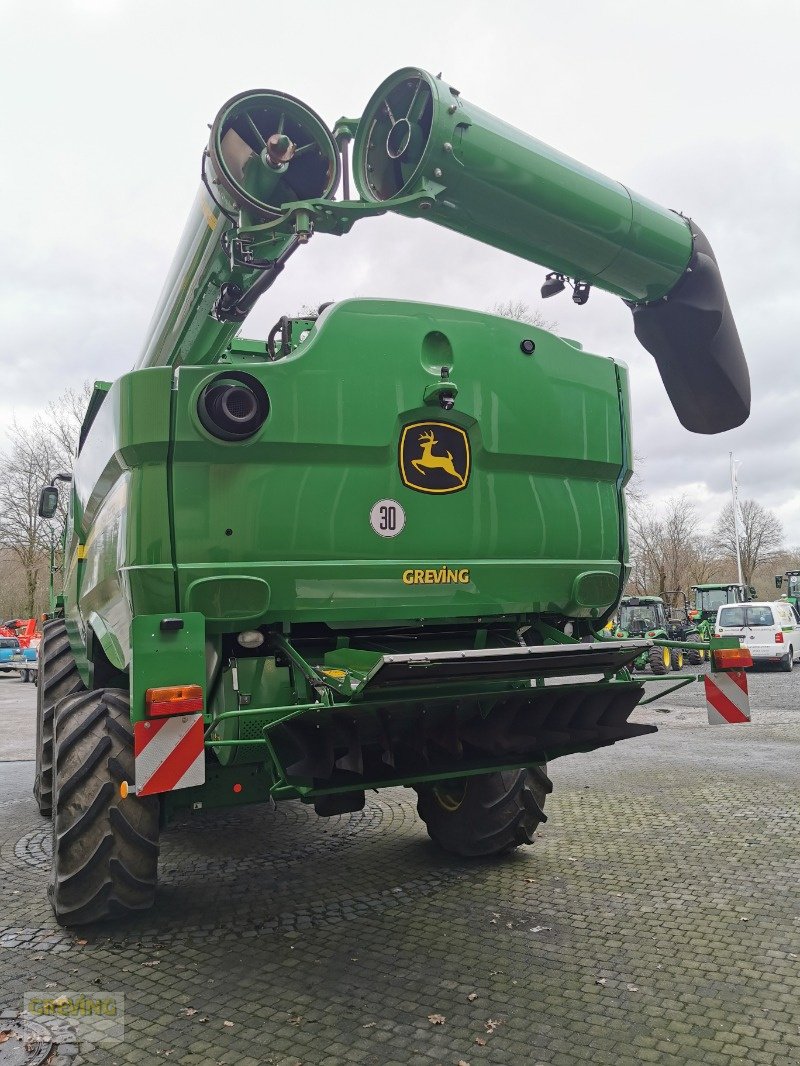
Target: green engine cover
<point>362,499</point>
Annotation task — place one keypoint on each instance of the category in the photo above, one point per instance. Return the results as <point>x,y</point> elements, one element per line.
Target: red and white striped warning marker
<point>169,754</point>
<point>727,698</point>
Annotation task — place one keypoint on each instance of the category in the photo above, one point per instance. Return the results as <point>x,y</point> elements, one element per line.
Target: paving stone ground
<point>655,919</point>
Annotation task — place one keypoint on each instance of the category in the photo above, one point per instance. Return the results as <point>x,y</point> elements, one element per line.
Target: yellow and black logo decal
<point>434,457</point>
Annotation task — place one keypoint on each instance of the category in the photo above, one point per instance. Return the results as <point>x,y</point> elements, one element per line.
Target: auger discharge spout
<point>494,183</point>
<point>265,149</point>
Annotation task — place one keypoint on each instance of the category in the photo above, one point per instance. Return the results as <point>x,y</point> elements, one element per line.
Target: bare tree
<point>706,564</point>
<point>61,422</point>
<point>23,471</point>
<point>522,312</point>
<point>760,536</point>
<point>667,552</point>
<point>35,454</point>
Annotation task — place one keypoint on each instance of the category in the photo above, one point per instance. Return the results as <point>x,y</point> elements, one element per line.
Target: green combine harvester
<point>375,548</point>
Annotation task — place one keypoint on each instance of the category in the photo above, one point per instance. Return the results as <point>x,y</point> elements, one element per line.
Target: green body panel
<point>540,527</point>
<point>119,551</point>
<point>165,657</point>
<point>542,510</point>
<point>274,533</point>
<point>507,189</point>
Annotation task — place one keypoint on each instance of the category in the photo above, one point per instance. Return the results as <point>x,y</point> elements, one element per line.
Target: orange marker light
<point>237,787</point>
<point>174,699</point>
<point>732,658</point>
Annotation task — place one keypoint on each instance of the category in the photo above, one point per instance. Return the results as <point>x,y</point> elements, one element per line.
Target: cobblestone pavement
<point>655,919</point>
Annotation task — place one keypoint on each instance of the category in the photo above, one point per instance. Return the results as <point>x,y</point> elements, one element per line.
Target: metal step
<point>486,664</point>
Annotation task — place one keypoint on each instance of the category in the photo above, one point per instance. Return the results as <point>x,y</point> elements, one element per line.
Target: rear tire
<point>694,656</point>
<point>787,662</point>
<point>660,660</point>
<point>57,677</point>
<point>105,848</point>
<point>487,815</point>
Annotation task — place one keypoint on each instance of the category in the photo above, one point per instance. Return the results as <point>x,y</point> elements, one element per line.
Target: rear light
<point>732,658</point>
<point>174,699</point>
<point>779,638</point>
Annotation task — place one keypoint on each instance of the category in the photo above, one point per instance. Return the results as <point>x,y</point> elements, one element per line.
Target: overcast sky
<point>695,105</point>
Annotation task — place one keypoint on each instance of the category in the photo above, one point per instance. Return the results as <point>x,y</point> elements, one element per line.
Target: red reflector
<point>779,638</point>
<point>237,788</point>
<point>174,699</point>
<point>732,658</point>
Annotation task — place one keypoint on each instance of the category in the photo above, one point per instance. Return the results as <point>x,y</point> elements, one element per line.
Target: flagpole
<point>735,498</point>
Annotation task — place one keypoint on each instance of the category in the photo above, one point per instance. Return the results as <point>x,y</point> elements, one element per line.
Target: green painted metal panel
<point>119,560</point>
<point>162,658</point>
<point>291,507</point>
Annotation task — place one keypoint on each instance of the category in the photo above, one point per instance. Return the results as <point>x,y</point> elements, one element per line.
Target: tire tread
<point>105,853</point>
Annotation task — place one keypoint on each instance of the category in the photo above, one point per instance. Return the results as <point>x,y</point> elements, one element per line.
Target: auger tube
<point>501,186</point>
<point>248,172</point>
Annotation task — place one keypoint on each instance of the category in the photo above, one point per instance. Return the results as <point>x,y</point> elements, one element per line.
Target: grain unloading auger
<point>271,168</point>
<point>374,550</point>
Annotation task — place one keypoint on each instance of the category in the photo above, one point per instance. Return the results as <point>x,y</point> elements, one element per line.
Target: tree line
<point>31,456</point>
<point>670,552</point>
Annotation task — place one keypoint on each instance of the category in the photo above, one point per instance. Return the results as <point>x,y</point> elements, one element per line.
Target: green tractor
<point>647,616</point>
<point>707,600</point>
<point>792,593</point>
<point>374,549</point>
<point>680,626</point>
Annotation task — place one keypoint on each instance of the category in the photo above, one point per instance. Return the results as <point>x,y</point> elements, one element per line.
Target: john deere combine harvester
<point>373,550</point>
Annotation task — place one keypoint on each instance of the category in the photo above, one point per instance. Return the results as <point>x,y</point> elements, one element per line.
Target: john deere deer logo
<point>434,457</point>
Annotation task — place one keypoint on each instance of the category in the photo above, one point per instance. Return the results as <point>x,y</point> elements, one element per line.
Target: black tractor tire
<point>787,662</point>
<point>676,658</point>
<point>105,848</point>
<point>487,815</point>
<point>660,660</point>
<point>58,677</point>
<point>693,656</point>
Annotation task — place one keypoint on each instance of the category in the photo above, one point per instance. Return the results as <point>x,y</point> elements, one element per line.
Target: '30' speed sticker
<point>387,518</point>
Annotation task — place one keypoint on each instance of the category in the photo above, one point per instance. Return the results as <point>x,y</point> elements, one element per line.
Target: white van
<point>769,630</point>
